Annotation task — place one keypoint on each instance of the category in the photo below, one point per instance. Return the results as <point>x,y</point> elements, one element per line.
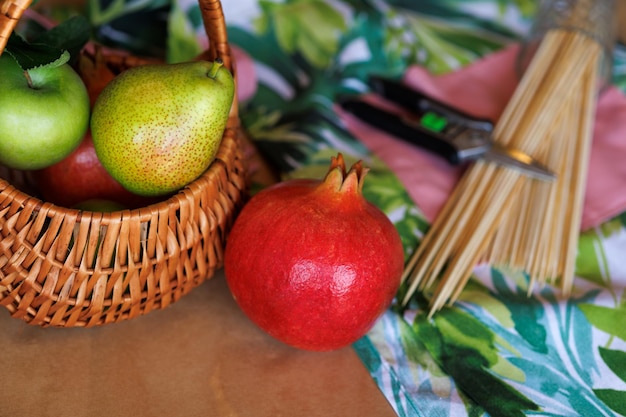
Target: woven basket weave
<point>67,268</point>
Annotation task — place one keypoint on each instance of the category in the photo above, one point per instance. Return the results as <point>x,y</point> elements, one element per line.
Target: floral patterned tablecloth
<point>495,352</point>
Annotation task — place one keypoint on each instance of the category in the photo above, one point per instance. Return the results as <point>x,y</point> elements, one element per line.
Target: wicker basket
<point>68,268</point>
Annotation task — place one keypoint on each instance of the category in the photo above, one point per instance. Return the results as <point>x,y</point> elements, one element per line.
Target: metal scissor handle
<point>403,128</point>
<point>421,104</point>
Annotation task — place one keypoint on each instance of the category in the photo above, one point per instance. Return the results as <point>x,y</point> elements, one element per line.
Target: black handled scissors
<point>448,132</point>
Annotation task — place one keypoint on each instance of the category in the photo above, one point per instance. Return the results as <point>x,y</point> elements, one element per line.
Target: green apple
<point>156,128</point>
<point>44,113</point>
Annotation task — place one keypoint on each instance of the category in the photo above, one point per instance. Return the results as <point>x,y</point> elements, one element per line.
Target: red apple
<point>80,177</point>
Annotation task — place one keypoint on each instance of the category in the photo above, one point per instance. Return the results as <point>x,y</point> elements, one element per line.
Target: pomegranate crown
<point>345,181</point>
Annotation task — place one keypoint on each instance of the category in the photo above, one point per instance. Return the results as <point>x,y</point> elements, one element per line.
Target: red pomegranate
<point>312,262</point>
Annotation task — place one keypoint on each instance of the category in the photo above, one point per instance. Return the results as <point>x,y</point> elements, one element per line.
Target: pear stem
<point>217,64</point>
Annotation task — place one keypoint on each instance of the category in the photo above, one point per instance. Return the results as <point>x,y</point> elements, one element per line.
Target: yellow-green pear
<point>156,128</point>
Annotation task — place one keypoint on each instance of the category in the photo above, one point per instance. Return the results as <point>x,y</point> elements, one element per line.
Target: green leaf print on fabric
<point>465,349</point>
<point>591,259</point>
<point>615,360</point>
<point>615,399</point>
<point>475,292</point>
<point>309,27</point>
<point>417,352</point>
<point>525,311</point>
<point>565,368</point>
<point>619,66</point>
<point>436,45</point>
<point>526,8</point>
<point>182,43</point>
<point>607,319</point>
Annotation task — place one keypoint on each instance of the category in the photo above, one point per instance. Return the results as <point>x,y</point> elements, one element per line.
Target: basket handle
<point>215,28</point>
<point>10,13</point>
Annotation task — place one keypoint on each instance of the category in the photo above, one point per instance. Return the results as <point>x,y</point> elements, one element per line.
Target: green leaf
<point>615,360</point>
<point>615,399</point>
<point>609,320</point>
<point>71,35</point>
<point>53,47</point>
<point>31,55</point>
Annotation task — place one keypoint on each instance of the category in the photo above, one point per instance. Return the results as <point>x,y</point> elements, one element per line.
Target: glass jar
<point>593,18</point>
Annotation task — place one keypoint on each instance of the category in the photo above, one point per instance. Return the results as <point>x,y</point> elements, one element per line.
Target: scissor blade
<point>513,158</point>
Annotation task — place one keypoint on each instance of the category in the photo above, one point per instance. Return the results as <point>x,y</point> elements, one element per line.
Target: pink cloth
<point>484,89</point>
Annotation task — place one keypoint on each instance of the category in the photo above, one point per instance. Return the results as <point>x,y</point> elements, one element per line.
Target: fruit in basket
<point>312,262</point>
<point>80,177</point>
<point>95,73</point>
<point>100,205</point>
<point>158,127</point>
<point>44,113</point>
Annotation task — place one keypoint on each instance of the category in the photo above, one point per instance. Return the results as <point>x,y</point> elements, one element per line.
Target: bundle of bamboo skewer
<point>496,214</point>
